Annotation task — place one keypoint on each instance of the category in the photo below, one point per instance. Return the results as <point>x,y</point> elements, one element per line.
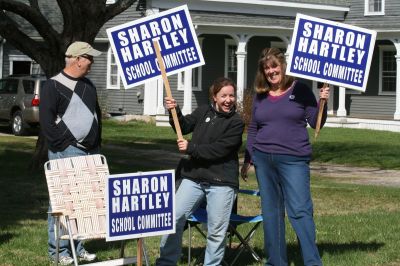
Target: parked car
<point>19,102</point>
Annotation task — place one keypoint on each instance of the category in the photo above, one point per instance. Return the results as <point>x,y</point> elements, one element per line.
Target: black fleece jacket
<point>213,149</point>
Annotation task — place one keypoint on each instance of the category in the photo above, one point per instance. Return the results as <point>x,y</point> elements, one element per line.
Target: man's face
<point>84,62</point>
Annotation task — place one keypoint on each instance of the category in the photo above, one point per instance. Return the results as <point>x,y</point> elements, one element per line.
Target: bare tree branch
<point>117,8</point>
<point>9,30</point>
<point>34,4</point>
<point>82,20</point>
<point>66,7</point>
<point>34,17</point>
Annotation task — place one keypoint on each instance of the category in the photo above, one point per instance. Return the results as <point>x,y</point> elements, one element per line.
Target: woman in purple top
<point>278,146</point>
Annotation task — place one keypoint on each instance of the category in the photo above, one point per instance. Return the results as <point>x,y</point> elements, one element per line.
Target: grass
<point>356,224</point>
<point>358,147</point>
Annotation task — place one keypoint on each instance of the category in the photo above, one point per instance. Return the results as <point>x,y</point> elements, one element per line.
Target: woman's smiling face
<point>225,99</point>
<point>273,73</point>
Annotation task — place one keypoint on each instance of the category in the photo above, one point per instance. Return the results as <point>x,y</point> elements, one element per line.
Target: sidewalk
<point>357,175</point>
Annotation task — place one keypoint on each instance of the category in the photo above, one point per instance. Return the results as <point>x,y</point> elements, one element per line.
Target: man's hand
<point>244,171</point>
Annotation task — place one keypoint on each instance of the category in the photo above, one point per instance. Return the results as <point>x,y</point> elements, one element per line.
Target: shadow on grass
<point>197,256</point>
<point>246,258</point>
<point>5,237</point>
<point>294,253</point>
<point>6,129</point>
<point>383,156</point>
<point>24,194</point>
<point>141,157</point>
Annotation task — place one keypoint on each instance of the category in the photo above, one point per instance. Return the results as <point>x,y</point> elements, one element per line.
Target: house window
<point>196,75</point>
<point>22,64</point>
<point>374,7</point>
<point>230,59</point>
<point>387,70</point>
<point>196,79</point>
<point>181,81</point>
<point>113,80</point>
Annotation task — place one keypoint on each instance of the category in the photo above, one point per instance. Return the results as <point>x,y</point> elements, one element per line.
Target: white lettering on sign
<point>140,194</point>
<point>326,41</point>
<point>328,69</point>
<point>137,42</point>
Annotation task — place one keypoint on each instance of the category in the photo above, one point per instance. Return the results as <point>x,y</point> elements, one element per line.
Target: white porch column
<point>160,97</point>
<point>241,59</point>
<point>286,40</point>
<point>187,93</point>
<point>396,42</point>
<point>150,98</point>
<point>2,41</point>
<point>241,54</point>
<point>341,111</point>
<point>153,102</point>
<point>397,112</point>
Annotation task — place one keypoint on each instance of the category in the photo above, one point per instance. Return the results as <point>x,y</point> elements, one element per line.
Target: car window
<point>2,86</point>
<point>41,84</point>
<point>8,86</point>
<point>29,86</point>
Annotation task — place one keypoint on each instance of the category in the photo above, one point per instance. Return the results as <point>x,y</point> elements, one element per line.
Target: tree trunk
<point>40,155</point>
<point>81,21</point>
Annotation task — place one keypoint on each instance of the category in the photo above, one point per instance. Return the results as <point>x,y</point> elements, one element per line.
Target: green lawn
<point>356,224</point>
<point>358,147</point>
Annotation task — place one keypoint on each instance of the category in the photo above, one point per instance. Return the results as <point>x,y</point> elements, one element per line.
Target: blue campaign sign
<point>140,204</point>
<point>331,52</point>
<point>134,52</point>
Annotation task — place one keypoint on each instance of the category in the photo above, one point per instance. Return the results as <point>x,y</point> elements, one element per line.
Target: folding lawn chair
<point>200,217</point>
<point>77,197</point>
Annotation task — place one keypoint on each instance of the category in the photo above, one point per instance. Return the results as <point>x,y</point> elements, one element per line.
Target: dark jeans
<point>284,182</point>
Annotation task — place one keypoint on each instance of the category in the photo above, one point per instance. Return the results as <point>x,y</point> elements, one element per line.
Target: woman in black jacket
<point>210,173</point>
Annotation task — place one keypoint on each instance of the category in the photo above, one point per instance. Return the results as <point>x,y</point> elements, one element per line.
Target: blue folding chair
<point>200,217</point>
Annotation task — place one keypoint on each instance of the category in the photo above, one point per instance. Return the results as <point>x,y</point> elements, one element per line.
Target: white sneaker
<point>86,256</point>
<point>65,260</point>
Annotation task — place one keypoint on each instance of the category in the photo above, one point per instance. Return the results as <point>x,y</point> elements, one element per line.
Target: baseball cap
<point>81,48</point>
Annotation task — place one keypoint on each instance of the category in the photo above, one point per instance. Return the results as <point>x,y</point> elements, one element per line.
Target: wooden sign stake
<point>167,89</point>
<point>139,252</point>
<point>322,103</point>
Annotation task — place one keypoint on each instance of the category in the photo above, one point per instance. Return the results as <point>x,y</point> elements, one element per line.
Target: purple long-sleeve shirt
<point>279,124</point>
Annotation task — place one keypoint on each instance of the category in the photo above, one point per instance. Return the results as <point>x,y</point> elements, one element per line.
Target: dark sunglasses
<point>88,57</point>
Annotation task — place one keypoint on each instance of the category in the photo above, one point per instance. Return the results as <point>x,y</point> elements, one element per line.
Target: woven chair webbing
<point>77,189</point>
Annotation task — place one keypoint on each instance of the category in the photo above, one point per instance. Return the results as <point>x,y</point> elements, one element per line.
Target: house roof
<point>240,20</point>
<point>324,2</point>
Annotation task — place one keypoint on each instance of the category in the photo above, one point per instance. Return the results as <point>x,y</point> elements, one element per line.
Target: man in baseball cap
<point>81,48</point>
<point>70,119</point>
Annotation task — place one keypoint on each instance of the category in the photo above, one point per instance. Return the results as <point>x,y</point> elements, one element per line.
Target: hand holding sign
<point>331,52</point>
<point>323,96</point>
